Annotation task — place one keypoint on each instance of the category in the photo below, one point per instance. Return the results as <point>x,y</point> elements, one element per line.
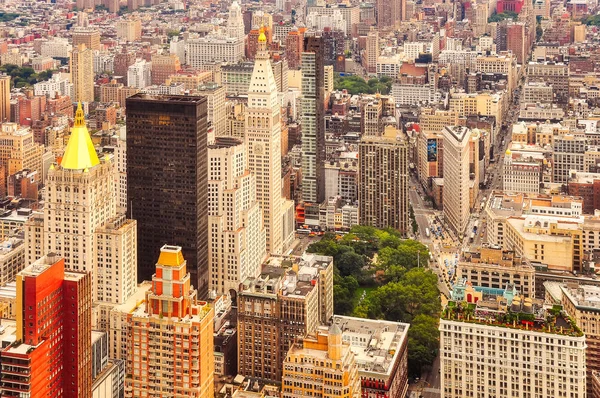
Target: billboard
<point>432,150</point>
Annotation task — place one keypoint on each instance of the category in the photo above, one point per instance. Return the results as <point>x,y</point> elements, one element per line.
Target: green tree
<point>344,289</point>
<point>423,343</point>
<point>350,263</point>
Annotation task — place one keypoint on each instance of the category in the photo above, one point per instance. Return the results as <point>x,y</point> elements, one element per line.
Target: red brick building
<point>52,354</point>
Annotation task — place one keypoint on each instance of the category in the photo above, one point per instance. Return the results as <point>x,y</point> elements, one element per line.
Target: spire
<point>80,153</point>
<point>261,37</point>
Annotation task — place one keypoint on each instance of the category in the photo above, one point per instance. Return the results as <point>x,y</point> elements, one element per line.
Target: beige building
<point>81,223</point>
<point>82,73</point>
<point>191,79</point>
<point>18,151</point>
<point>485,354</point>
<point>372,52</point>
<point>116,92</point>
<point>12,259</point>
<point>263,136</point>
<point>383,181</point>
<point>215,96</point>
<point>321,365</point>
<point>129,29</point>
<point>435,120</point>
<point>236,120</point>
<point>170,336</point>
<point>287,301</point>
<point>505,63</point>
<point>88,36</point>
<point>4,98</point>
<point>456,177</point>
<point>237,241</point>
<point>485,104</point>
<point>497,268</point>
<point>582,303</point>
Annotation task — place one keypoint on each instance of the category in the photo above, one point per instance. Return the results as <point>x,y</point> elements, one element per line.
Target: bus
<point>427,232</point>
<point>475,226</point>
<point>303,231</point>
<point>472,237</point>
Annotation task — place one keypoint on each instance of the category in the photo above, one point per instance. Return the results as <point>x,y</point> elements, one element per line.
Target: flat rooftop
<point>376,344</point>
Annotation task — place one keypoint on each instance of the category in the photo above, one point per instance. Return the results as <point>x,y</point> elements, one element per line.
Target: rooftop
<point>376,344</point>
<point>585,297</point>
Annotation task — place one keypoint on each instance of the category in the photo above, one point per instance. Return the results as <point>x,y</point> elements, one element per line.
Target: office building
<point>321,364</point>
<point>122,61</point>
<point>311,116</point>
<point>350,13</point>
<point>456,177</point>
<point>82,74</point>
<point>88,36</point>
<point>263,136</point>
<point>174,207</point>
<point>280,305</point>
<point>4,98</point>
<point>568,154</point>
<point>581,303</point>
<point>171,335</point>
<point>81,208</point>
<point>18,151</point>
<point>294,43</point>
<point>129,29</point>
<point>12,259</point>
<point>390,13</point>
<point>51,355</point>
<point>215,98</point>
<point>372,52</point>
<point>237,237</point>
<point>521,175</point>
<point>164,66</point>
<point>139,74</point>
<point>505,346</point>
<point>495,268</point>
<point>383,366</point>
<point>383,181</point>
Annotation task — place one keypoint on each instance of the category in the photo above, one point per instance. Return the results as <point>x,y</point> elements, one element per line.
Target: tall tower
<point>167,179</point>
<point>263,137</point>
<point>4,98</point>
<point>383,181</point>
<point>235,22</point>
<point>456,177</point>
<point>81,222</point>
<point>312,107</point>
<point>237,241</point>
<point>173,334</point>
<point>390,13</point>
<point>82,73</point>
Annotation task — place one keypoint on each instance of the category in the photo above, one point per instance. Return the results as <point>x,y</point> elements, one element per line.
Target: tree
<point>344,289</point>
<point>350,263</point>
<point>423,343</point>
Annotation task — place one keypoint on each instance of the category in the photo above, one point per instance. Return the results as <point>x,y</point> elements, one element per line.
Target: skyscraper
<point>390,13</point>
<point>4,98</point>
<point>383,181</point>
<point>82,73</point>
<point>312,108</point>
<point>167,179</point>
<point>52,356</point>
<point>456,177</point>
<point>263,136</point>
<point>171,335</point>
<point>81,222</point>
<point>237,236</point>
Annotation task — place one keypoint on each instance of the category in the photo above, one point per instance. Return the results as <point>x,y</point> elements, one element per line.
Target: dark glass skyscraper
<point>167,180</point>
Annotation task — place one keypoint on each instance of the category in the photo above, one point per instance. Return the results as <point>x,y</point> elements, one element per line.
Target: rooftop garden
<point>553,320</point>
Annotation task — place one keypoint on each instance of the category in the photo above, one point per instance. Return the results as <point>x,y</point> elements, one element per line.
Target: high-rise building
<point>372,51</point>
<point>166,144</point>
<point>311,115</point>
<point>4,98</point>
<point>321,365</point>
<point>390,13</point>
<point>237,240</point>
<point>129,29</point>
<point>139,74</point>
<point>536,352</point>
<point>456,177</point>
<point>293,47</point>
<point>82,73</point>
<point>52,353</point>
<point>122,62</point>
<point>279,306</point>
<point>263,137</point>
<point>164,66</point>
<point>215,98</point>
<point>235,22</point>
<point>569,153</point>
<point>383,181</point>
<point>81,222</point>
<point>88,36</point>
<point>171,336</point>
<point>18,151</point>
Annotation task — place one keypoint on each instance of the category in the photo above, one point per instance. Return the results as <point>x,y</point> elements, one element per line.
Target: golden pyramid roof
<point>80,153</point>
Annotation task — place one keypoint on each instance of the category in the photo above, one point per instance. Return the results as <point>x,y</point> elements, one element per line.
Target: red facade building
<point>509,5</point>
<point>51,356</point>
